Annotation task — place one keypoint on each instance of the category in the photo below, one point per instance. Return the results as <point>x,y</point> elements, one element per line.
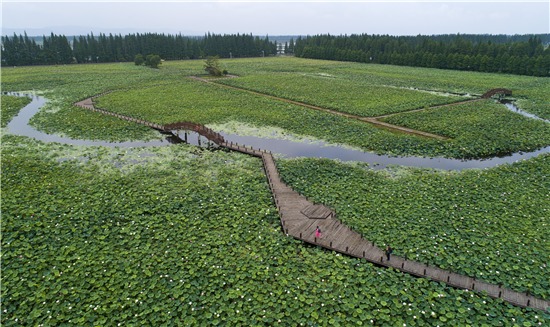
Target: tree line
<point>529,57</point>
<point>57,49</point>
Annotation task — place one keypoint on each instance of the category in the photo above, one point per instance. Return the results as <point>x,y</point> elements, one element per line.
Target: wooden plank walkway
<point>300,220</point>
<point>340,238</point>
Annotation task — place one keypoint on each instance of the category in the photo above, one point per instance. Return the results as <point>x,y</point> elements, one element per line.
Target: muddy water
<point>287,148</point>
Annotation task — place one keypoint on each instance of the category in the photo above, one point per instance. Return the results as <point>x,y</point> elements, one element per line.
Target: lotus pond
<point>277,140</point>
<point>11,106</point>
<point>178,235</point>
<point>189,237</point>
<point>483,125</point>
<point>353,97</point>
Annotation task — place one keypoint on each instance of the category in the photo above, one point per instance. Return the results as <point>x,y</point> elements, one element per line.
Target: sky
<point>276,17</point>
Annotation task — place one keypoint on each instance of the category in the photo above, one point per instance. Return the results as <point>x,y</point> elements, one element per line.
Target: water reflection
<point>289,149</point>
<point>19,125</point>
<point>510,105</point>
<point>308,148</point>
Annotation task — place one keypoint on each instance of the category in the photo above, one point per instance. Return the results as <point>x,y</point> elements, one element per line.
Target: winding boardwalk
<point>300,218</point>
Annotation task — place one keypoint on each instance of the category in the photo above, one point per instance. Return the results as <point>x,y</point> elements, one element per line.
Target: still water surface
<point>287,148</point>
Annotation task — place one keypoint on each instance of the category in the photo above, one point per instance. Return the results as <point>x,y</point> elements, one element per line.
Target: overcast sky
<point>276,17</point>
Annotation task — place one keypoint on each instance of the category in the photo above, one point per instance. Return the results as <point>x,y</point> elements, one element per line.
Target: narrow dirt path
<point>371,120</point>
<point>421,109</point>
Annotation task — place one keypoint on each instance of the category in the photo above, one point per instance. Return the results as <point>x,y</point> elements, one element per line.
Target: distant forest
<point>525,55</point>
<point>56,49</point>
<point>512,54</point>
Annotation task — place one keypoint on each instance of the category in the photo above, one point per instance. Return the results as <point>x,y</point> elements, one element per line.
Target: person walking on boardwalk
<point>318,232</point>
<point>389,250</point>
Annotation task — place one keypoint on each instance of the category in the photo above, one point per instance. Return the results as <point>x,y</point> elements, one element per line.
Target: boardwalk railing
<point>199,128</point>
<point>492,92</point>
<point>336,235</point>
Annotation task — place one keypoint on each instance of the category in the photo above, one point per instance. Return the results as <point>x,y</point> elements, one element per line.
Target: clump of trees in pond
<point>490,55</point>
<point>152,61</point>
<point>212,66</point>
<point>58,49</point>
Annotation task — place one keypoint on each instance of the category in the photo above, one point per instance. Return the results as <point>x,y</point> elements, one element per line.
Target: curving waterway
<point>287,148</point>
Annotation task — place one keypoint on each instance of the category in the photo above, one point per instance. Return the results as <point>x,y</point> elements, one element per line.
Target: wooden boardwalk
<point>340,238</point>
<point>300,219</point>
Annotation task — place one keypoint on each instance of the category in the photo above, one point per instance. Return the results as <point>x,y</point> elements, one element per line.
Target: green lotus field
<point>11,106</point>
<point>352,97</point>
<point>178,235</point>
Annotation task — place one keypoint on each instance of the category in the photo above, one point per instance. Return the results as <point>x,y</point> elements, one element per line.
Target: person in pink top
<point>318,232</point>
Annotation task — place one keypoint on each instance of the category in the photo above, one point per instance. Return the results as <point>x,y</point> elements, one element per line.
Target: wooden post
<point>499,293</point>
<point>363,254</point>
<point>448,278</point>
<point>424,271</point>
<point>300,235</point>
<point>346,249</point>
<point>330,243</point>
<point>381,259</point>
<point>528,302</point>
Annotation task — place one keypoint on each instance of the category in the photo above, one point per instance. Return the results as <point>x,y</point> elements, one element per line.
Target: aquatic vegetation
<point>66,120</point>
<point>188,240</point>
<point>490,223</point>
<point>483,126</point>
<point>178,235</point>
<point>462,82</point>
<point>353,97</point>
<point>11,106</point>
<point>213,104</point>
<point>538,107</point>
<point>217,105</point>
<point>64,85</point>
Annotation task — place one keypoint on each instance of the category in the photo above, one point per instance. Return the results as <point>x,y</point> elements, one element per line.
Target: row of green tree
<point>477,38</point>
<point>57,49</point>
<point>523,58</point>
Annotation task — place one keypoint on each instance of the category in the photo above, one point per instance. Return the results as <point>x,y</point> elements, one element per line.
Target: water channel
<point>287,148</point>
